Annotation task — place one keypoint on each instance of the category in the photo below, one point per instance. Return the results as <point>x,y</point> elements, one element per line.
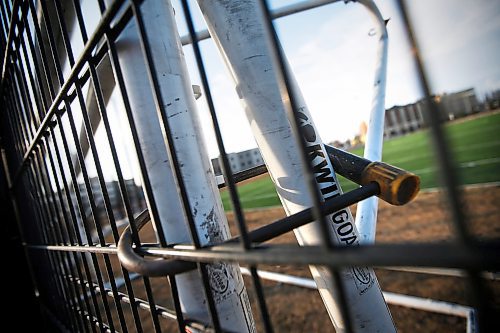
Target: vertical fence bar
<point>72,228</point>
<point>52,232</point>
<point>67,264</point>
<point>480,295</point>
<point>88,187</point>
<point>59,78</point>
<point>20,102</point>
<point>45,100</point>
<point>79,223</point>
<point>76,225</point>
<point>14,125</point>
<point>49,85</point>
<point>100,175</point>
<point>38,105</point>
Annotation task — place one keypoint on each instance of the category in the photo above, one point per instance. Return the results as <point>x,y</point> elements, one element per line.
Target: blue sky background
<point>333,54</point>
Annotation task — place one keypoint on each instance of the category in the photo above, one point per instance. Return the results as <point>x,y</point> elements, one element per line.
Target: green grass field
<point>475,145</point>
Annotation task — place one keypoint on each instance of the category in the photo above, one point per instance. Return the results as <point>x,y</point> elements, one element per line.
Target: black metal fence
<point>70,220</point>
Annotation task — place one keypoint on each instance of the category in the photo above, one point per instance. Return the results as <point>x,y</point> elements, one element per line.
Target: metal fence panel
<point>62,70</point>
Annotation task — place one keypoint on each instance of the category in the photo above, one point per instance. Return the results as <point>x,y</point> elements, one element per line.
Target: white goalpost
<point>226,283</point>
<point>238,28</point>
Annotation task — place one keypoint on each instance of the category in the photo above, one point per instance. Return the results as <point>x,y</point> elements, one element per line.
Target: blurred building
<point>134,192</point>
<point>458,104</point>
<point>240,161</point>
<point>402,119</point>
<point>492,101</point>
<point>399,120</point>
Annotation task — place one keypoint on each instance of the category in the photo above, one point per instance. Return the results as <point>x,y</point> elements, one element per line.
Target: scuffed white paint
<point>178,101</point>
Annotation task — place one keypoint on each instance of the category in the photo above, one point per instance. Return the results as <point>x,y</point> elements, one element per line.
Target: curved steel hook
<point>135,263</point>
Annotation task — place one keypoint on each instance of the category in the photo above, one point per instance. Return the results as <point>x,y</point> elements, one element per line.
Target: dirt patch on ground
<point>423,220</point>
<point>296,309</point>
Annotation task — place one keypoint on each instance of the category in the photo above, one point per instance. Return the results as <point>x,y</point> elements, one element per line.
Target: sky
<point>332,52</point>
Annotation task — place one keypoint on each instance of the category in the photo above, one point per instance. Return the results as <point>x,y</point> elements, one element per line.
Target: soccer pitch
<point>475,147</point>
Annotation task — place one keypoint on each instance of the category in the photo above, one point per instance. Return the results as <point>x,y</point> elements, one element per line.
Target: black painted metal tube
<point>397,186</point>
<point>135,263</point>
<point>346,164</point>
